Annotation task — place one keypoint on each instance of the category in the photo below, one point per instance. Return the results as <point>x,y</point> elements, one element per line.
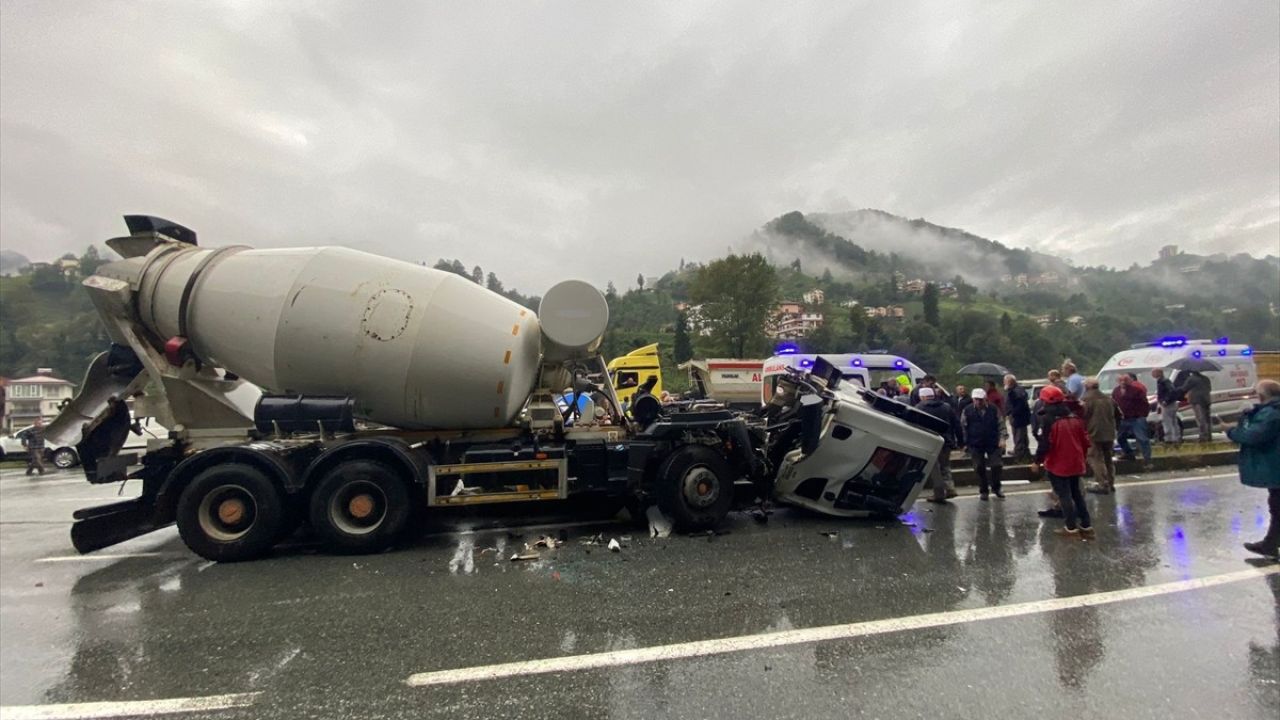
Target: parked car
<point>11,446</point>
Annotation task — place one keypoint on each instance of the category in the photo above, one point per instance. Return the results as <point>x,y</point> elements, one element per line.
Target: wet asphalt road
<point>335,637</point>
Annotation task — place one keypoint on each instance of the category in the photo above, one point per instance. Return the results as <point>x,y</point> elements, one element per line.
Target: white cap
<point>978,394</point>
<point>926,392</point>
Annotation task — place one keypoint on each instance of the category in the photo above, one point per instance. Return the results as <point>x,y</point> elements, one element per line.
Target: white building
<point>40,395</point>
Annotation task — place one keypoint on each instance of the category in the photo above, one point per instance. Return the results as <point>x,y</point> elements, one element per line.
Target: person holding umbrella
<point>1199,392</point>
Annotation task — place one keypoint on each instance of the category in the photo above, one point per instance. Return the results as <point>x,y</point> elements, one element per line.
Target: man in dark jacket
<point>984,435</point>
<point>943,486</point>
<point>1102,419</point>
<point>1199,392</point>
<point>1258,435</point>
<point>960,401</point>
<point>1061,451</point>
<point>33,441</point>
<point>1167,401</point>
<point>1131,398</point>
<point>1018,407</point>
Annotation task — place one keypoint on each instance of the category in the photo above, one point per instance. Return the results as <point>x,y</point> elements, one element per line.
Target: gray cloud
<point>545,140</point>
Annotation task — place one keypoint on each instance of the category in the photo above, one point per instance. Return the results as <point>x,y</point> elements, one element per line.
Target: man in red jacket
<point>1063,443</point>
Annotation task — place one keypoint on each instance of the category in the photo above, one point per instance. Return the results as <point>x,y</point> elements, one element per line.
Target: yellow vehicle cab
<point>628,372</point>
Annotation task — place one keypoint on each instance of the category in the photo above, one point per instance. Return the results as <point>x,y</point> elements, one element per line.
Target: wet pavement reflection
<point>339,635</point>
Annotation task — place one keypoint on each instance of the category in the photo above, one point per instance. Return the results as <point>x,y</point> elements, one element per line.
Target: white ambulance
<point>867,370</point>
<point>1232,386</point>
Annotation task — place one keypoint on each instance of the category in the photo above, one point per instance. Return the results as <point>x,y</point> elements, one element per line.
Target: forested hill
<point>1024,309</point>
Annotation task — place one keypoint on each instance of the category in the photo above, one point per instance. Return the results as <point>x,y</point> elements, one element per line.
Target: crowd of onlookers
<point>1076,427</point>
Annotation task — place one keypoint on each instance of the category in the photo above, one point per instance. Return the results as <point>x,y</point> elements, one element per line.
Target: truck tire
<point>695,488</point>
<point>359,506</point>
<point>229,513</point>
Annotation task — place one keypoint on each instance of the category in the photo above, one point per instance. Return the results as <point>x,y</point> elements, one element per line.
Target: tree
<point>827,279</point>
<point>795,265</point>
<point>737,294</point>
<point>1006,325</point>
<point>931,314</point>
<point>640,281</point>
<point>91,261</point>
<point>477,275</point>
<point>682,346</point>
<point>610,292</point>
<point>493,283</point>
<point>857,327</point>
<point>964,291</point>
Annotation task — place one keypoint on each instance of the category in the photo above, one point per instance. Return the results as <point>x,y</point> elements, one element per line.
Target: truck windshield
<point>1108,379</point>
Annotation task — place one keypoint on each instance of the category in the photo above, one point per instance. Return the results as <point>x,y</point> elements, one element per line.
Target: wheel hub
<point>231,511</point>
<point>361,506</point>
<point>701,487</point>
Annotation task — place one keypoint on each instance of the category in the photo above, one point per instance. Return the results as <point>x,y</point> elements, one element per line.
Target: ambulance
<point>865,370</point>
<point>1232,386</point>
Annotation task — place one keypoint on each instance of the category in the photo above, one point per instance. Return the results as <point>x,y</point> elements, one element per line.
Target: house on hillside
<point>815,297</point>
<point>40,395</point>
<point>70,267</point>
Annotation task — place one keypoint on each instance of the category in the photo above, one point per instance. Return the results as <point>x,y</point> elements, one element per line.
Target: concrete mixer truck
<point>355,392</point>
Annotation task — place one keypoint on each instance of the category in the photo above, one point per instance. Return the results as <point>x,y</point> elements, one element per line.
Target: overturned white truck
<point>354,392</point>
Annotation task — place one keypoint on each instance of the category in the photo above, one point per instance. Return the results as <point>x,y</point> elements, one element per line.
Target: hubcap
<point>701,487</point>
<point>358,508</point>
<point>227,513</point>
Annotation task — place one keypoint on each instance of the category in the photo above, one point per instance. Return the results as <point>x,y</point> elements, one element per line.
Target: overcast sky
<point>601,139</point>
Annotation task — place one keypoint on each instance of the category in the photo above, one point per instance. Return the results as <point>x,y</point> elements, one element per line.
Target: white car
<point>66,457</point>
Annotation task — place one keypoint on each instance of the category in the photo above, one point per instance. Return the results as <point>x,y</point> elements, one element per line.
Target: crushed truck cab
<point>354,393</point>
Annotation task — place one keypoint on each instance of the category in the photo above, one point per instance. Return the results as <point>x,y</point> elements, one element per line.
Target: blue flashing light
<point>1177,341</point>
<point>1247,352</point>
<point>1222,352</point>
<point>786,349</point>
<point>857,362</point>
<point>806,363</point>
<point>899,363</point>
<point>1196,354</point>
<point>1223,340</point>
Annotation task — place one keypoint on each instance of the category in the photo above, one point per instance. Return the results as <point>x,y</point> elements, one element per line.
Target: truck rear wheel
<point>229,513</point>
<point>360,506</point>
<point>695,488</point>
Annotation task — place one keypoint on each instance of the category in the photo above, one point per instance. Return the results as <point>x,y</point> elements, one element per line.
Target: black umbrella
<point>1195,364</point>
<point>985,369</point>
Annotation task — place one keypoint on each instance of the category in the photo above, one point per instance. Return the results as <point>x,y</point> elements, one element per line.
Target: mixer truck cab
<point>631,371</point>
<point>323,385</point>
<point>865,370</point>
<point>1232,387</point>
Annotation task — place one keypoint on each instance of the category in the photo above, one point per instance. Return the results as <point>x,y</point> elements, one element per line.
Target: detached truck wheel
<point>230,513</point>
<point>360,506</point>
<point>695,488</point>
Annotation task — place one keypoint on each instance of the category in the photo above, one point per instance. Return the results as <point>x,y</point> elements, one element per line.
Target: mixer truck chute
<point>350,390</point>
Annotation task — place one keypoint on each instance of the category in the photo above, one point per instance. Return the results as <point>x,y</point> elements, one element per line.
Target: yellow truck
<point>628,372</point>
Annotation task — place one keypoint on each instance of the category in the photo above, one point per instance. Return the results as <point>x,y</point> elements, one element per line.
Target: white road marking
<point>1119,486</point>
<point>91,558</point>
<point>136,708</point>
<point>703,648</point>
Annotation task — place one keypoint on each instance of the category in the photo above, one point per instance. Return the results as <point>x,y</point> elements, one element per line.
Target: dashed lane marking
<point>722,646</point>
<point>135,708</point>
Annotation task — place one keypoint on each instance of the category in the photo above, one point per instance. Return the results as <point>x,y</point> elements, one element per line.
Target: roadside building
<point>39,395</point>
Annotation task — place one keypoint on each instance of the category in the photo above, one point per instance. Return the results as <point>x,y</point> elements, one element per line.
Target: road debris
<point>524,556</point>
<point>614,545</point>
<point>659,524</point>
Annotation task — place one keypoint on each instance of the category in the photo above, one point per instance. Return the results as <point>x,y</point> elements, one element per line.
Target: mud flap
<point>96,421</point>
<point>107,525</point>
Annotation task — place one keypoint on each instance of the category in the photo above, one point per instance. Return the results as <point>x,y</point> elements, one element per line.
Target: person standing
<point>994,397</point>
<point>960,401</point>
<point>1018,406</point>
<point>985,438</point>
<point>1199,393</point>
<point>1101,418</point>
<point>1167,401</point>
<point>1061,452</point>
<point>33,441</point>
<point>943,485</point>
<point>1074,380</point>
<point>1258,435</point>
<point>1133,404</point>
